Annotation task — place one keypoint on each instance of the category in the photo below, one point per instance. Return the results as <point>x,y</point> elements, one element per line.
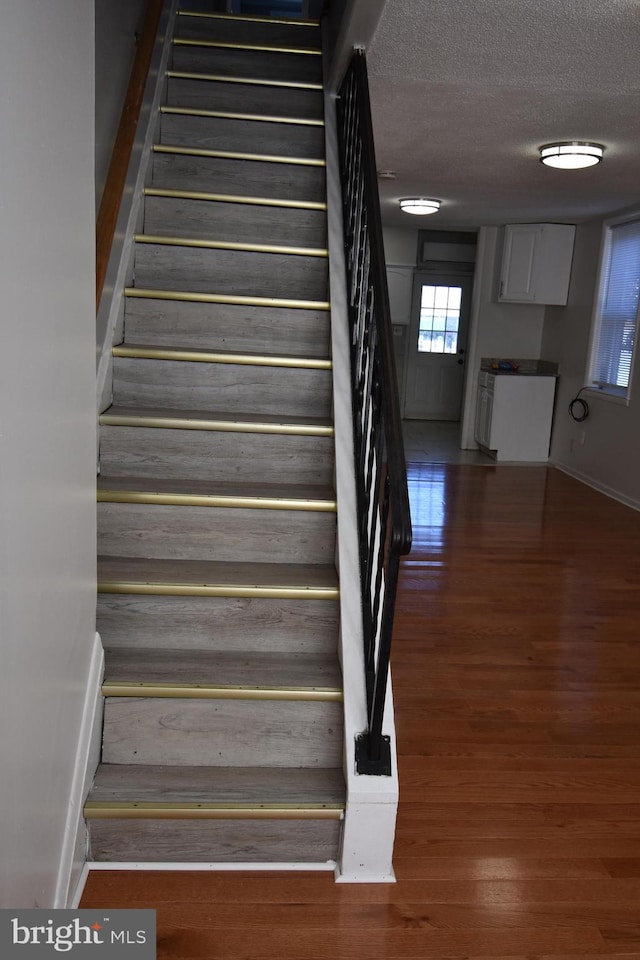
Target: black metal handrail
<point>384,524</point>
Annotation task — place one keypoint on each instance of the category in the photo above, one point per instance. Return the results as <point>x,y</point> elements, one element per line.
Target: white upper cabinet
<point>536,263</point>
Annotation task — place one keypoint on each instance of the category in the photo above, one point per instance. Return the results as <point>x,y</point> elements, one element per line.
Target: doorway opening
<point>433,371</point>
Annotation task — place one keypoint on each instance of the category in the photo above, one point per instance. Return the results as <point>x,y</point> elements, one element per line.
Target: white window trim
<point>600,392</point>
<point>605,395</point>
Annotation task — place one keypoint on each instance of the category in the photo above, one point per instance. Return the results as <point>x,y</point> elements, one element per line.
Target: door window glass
<point>439,319</point>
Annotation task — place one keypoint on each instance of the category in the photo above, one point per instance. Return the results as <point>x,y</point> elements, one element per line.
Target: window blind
<point>617,313</point>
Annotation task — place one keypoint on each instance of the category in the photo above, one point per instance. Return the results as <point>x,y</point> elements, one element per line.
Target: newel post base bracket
<point>380,767</point>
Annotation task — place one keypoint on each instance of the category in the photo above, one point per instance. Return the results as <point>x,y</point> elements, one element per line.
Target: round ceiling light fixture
<point>571,154</point>
<point>419,206</point>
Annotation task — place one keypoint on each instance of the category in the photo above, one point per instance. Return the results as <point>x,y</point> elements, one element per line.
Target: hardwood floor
<point>516,671</point>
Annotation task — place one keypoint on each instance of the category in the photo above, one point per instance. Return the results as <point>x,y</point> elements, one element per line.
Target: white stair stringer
<point>366,853</point>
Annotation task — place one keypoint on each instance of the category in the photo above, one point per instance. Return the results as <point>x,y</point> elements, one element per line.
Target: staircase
<point>218,594</point>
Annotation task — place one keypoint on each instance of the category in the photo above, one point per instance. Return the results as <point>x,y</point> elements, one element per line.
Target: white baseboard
<point>327,866</point>
<point>71,872</point>
<point>595,485</point>
<point>74,902</point>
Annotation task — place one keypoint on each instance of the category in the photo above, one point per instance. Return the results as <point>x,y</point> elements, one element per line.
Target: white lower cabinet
<point>514,414</point>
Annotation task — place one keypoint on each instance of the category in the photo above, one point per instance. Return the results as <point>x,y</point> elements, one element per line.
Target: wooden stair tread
<point>247,47</point>
<point>189,353</point>
<point>202,572</point>
<point>171,413</point>
<point>280,61</point>
<point>218,488</point>
<point>130,783</point>
<point>251,81</point>
<point>239,115</point>
<point>234,198</point>
<point>222,93</point>
<point>253,18</point>
<point>223,668</point>
<point>162,240</point>
<point>186,11</point>
<point>197,296</point>
<point>177,148</point>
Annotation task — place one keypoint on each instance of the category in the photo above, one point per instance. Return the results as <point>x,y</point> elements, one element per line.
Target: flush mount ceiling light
<point>419,206</point>
<point>571,154</point>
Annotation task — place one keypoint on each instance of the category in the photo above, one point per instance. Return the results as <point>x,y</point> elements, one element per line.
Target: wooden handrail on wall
<point>114,186</point>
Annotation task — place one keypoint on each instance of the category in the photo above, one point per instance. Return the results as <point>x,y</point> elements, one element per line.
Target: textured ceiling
<point>463,93</point>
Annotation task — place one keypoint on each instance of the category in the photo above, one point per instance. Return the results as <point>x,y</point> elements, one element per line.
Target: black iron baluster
<point>384,526</point>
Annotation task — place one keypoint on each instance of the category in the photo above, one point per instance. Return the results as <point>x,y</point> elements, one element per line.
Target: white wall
<point>400,251</point>
<point>400,245</point>
<point>47,429</point>
<point>604,450</point>
<point>400,248</point>
<point>352,23</point>
<point>497,329</point>
<point>116,24</point>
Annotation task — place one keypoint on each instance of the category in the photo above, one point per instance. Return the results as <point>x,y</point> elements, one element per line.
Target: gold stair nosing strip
<point>223,426</point>
<point>226,115</point>
<point>205,691</point>
<point>243,17</point>
<point>253,81</point>
<point>251,47</point>
<point>209,356</point>
<point>231,245</point>
<point>150,810</point>
<point>230,298</point>
<point>135,588</point>
<point>210,500</point>
<point>234,198</point>
<point>233,155</point>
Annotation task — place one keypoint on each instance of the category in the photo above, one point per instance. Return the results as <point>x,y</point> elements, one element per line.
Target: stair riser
<point>236,733</point>
<point>167,267</point>
<point>131,783</point>
<point>234,388</point>
<point>215,533</point>
<point>239,222</point>
<point>245,98</point>
<point>245,178</point>
<point>218,623</point>
<point>244,136</point>
<point>303,333</point>
<point>228,668</point>
<point>254,64</point>
<point>247,31</point>
<point>267,841</point>
<point>151,452</point>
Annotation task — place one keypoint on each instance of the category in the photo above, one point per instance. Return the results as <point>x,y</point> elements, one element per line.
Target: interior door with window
<point>437,345</point>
